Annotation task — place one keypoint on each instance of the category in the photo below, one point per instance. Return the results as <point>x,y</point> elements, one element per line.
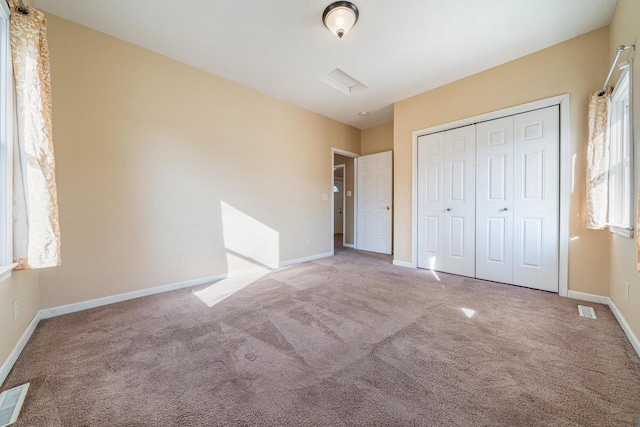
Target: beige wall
<point>22,286</point>
<point>167,173</point>
<point>625,29</point>
<point>349,201</point>
<point>577,67</point>
<point>377,139</point>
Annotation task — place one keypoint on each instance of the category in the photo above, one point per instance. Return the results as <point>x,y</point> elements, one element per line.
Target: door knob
<point>388,208</point>
<point>448,209</point>
<point>504,209</point>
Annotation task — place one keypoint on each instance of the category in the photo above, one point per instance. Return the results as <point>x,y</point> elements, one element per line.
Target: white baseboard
<point>403,264</point>
<point>98,302</point>
<point>348,245</point>
<point>599,299</point>
<point>48,313</point>
<point>15,353</point>
<point>633,339</point>
<point>305,259</point>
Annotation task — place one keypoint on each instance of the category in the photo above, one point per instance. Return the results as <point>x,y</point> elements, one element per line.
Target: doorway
<point>343,200</point>
<point>338,206</point>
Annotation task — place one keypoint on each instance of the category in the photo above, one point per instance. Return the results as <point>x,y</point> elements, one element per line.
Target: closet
<point>488,200</point>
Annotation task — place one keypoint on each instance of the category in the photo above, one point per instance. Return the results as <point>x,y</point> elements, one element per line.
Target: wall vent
<point>10,404</point>
<point>342,81</point>
<point>586,311</point>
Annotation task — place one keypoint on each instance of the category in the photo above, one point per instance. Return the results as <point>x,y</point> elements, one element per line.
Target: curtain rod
<point>23,10</point>
<point>619,50</point>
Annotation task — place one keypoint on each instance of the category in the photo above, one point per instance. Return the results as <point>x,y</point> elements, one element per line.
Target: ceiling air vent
<point>342,81</point>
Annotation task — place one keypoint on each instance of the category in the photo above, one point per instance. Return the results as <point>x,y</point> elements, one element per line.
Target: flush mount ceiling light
<point>339,17</point>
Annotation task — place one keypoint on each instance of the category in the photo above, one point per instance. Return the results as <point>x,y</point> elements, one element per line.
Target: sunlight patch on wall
<point>250,245</point>
<point>252,248</point>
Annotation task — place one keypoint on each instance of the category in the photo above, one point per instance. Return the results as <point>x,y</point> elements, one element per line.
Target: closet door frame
<point>565,182</point>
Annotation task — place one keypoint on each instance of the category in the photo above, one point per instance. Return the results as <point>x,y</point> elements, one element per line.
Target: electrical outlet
<point>15,309</point>
<point>308,242</point>
<point>626,290</point>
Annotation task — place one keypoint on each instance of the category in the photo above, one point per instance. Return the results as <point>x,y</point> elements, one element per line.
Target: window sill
<point>622,231</point>
<point>5,271</point>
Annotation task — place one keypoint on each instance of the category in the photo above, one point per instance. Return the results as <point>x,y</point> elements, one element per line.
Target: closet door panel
<point>459,203</point>
<point>494,200</point>
<point>431,201</point>
<point>536,199</point>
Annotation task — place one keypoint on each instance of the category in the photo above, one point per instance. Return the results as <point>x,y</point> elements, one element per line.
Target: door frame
<point>354,156</point>
<point>565,176</point>
<point>344,200</point>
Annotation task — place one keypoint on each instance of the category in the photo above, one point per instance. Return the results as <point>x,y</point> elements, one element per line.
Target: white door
<point>446,200</point>
<point>431,201</point>
<point>338,208</point>
<point>536,198</point>
<point>375,202</point>
<point>494,200</point>
<point>460,201</point>
<point>518,199</point>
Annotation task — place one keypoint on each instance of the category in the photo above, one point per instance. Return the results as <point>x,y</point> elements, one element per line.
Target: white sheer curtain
<point>598,161</point>
<point>36,231</point>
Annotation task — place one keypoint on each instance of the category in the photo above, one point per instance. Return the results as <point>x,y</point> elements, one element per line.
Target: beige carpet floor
<point>347,340</point>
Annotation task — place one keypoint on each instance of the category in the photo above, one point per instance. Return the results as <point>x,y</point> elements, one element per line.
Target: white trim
<point>403,264</point>
<point>15,353</point>
<point>622,89</point>
<point>582,296</point>
<point>99,302</point>
<point>48,313</point>
<point>354,156</point>
<point>344,153</point>
<point>7,123</point>
<point>349,245</point>
<point>5,271</point>
<point>305,259</point>
<point>344,200</point>
<point>621,231</point>
<point>565,174</point>
<point>633,339</point>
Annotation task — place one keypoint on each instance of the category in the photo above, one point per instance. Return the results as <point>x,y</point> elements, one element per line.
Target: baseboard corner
<point>583,296</point>
<point>6,367</point>
<point>633,339</point>
<point>599,299</point>
<point>405,264</point>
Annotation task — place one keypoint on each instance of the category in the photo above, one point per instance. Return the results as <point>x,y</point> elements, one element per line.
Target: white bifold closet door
<point>446,223</point>
<point>488,200</point>
<point>495,179</point>
<point>518,199</point>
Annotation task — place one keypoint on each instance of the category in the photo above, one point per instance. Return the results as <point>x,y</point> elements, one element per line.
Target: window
<point>621,206</point>
<point>6,145</point>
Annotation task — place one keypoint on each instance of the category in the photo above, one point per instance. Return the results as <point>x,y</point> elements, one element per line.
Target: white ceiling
<point>398,48</point>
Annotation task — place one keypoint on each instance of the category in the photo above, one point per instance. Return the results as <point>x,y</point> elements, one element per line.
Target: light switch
<point>325,197</point>
<point>348,193</point>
